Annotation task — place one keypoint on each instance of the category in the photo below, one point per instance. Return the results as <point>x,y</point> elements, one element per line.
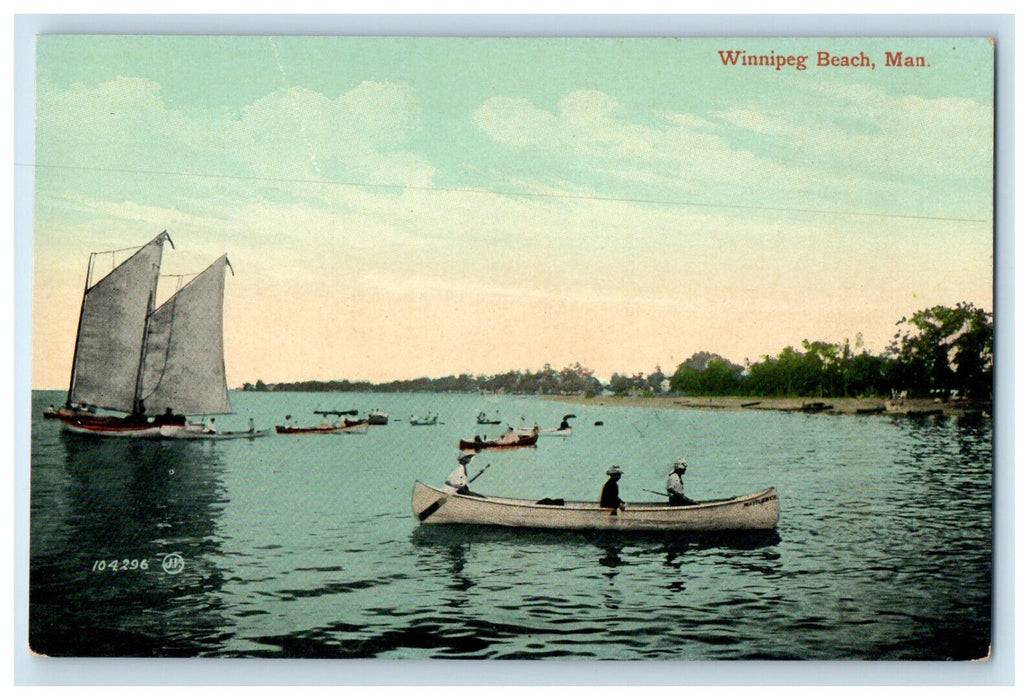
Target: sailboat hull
<point>109,426</point>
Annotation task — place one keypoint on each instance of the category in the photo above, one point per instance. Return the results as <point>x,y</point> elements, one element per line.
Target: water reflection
<point>116,512</point>
<point>459,582</point>
<point>674,546</point>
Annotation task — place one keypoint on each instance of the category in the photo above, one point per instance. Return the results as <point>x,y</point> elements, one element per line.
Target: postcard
<point>582,349</point>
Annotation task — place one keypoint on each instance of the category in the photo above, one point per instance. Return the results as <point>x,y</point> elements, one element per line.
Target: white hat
<point>613,471</point>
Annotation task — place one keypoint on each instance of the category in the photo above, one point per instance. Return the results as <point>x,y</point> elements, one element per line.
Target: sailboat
<point>153,365</point>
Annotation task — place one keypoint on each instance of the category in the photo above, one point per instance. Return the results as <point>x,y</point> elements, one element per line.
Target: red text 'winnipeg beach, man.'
<point>822,59</point>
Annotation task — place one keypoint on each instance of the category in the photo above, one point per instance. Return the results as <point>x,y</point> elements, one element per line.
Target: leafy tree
<point>942,349</point>
<point>706,373</point>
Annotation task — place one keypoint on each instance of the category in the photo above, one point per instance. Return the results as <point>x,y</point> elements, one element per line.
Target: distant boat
<point>896,407</point>
<point>427,420</point>
<point>378,418</point>
<point>348,427</point>
<point>563,430</point>
<point>869,410</point>
<point>753,512</point>
<point>508,439</point>
<point>132,358</point>
<point>483,419</point>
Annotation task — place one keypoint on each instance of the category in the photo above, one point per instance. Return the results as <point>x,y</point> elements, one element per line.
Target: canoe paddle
<point>430,510</point>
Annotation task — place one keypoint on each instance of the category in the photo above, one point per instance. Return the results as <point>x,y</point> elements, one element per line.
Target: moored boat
<point>899,407</point>
<point>427,420</point>
<point>131,356</point>
<point>110,426</point>
<point>755,511</point>
<point>378,418</point>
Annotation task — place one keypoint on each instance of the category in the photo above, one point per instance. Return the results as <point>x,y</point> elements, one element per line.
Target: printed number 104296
<point>116,565</point>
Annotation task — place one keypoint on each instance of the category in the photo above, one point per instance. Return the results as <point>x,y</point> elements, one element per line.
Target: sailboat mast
<point>138,403</point>
<point>79,330</point>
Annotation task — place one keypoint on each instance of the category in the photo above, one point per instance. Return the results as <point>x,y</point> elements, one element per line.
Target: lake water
<point>305,546</point>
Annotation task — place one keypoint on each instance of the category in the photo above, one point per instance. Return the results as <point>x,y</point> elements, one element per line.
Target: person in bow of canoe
<point>674,486</point>
<point>458,478</point>
<point>610,490</point>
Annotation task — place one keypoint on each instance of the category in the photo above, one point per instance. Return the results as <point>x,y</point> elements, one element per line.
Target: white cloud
<point>124,124</point>
<point>514,122</point>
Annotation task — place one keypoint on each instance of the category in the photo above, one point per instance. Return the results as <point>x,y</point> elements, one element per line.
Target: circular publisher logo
<point>172,563</point>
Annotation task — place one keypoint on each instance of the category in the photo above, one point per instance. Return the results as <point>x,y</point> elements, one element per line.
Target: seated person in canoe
<point>610,490</point>
<point>674,486</point>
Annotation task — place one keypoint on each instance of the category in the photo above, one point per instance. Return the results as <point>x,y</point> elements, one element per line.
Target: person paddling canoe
<point>458,478</point>
<point>674,486</point>
<point>610,490</point>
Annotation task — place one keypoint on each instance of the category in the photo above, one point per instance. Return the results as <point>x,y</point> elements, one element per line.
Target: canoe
<point>557,432</point>
<point>352,428</point>
<point>755,511</point>
<point>521,441</point>
<point>179,433</point>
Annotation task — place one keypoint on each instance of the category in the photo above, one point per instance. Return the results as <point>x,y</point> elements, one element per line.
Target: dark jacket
<point>610,495</point>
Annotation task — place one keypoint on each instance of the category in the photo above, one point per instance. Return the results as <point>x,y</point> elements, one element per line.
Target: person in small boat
<point>610,490</point>
<point>674,486</point>
<point>564,424</point>
<point>251,425</point>
<point>287,421</point>
<point>509,436</point>
<point>170,418</point>
<point>211,427</point>
<point>458,478</point>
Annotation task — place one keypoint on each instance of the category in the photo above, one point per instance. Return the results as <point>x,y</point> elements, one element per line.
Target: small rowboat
<point>360,427</point>
<point>755,511</point>
<point>181,433</point>
<point>515,440</point>
<point>557,432</point>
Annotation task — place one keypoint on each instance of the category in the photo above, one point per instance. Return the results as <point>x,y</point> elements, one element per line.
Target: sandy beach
<point>841,406</point>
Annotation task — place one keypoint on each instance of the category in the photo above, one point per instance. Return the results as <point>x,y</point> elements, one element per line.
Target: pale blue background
<point>999,671</point>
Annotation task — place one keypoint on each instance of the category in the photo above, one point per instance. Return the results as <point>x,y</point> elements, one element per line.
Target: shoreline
<point>831,406</point>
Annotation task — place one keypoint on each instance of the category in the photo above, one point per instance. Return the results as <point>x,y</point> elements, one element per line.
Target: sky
<point>398,208</point>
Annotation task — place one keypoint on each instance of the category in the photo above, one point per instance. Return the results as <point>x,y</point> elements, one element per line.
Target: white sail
<point>105,367</point>
<point>183,363</point>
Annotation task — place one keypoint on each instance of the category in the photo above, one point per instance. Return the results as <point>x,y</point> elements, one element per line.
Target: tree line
<point>572,380</point>
<point>939,351</point>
